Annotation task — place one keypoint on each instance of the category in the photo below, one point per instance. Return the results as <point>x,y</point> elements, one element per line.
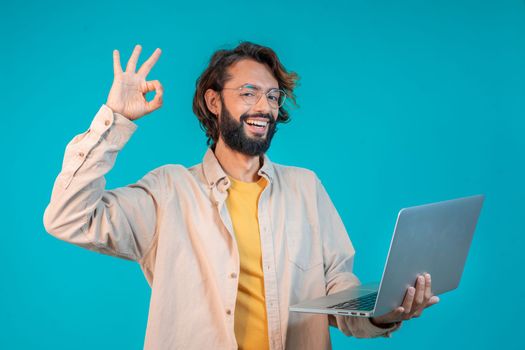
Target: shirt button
<point>233,275</point>
<point>107,122</point>
<point>228,312</point>
<point>81,154</point>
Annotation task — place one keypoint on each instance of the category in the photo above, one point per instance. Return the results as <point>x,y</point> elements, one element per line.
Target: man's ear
<point>213,101</point>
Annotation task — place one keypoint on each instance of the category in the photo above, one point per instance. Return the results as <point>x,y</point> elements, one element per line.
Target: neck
<point>237,165</point>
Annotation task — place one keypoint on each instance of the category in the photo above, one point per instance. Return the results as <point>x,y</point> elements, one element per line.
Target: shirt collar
<point>214,173</point>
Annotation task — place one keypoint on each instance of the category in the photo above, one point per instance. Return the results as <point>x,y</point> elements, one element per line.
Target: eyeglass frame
<point>259,90</point>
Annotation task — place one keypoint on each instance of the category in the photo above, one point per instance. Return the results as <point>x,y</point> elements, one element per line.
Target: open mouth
<point>256,125</point>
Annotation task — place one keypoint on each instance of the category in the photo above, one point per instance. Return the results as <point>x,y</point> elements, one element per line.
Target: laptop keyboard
<point>365,303</point>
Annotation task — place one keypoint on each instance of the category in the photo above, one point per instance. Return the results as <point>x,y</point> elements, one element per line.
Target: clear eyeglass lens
<point>251,96</point>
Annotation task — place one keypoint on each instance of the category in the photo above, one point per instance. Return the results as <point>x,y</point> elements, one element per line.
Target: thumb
<point>156,103</point>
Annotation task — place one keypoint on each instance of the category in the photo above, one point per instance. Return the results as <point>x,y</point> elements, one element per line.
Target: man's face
<point>246,128</point>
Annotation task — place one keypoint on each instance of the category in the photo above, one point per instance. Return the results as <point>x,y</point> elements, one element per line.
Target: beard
<point>235,136</point>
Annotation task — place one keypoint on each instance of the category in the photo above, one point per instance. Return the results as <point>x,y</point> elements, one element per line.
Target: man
<point>226,245</point>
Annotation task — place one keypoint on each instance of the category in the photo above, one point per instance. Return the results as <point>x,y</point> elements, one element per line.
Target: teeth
<point>257,123</point>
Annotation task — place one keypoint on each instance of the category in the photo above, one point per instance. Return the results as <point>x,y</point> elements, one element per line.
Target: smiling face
<point>246,124</point>
<point>250,135</point>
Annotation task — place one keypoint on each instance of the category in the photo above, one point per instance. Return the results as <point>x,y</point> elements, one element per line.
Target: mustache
<point>267,116</point>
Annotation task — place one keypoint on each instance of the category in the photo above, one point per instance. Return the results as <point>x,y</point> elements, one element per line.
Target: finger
<point>398,314</point>
<point>117,69</point>
<point>150,62</point>
<point>432,301</point>
<point>152,85</point>
<point>428,287</point>
<point>409,300</point>
<point>132,63</point>
<point>156,103</point>
<point>420,291</point>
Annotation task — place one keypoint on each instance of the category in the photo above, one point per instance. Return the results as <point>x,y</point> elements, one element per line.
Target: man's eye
<point>273,98</point>
<point>247,94</point>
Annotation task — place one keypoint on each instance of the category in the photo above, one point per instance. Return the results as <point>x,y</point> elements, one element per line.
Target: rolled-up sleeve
<point>119,222</point>
<point>338,255</point>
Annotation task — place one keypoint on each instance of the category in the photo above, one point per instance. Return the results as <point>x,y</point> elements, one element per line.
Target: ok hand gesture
<point>128,92</point>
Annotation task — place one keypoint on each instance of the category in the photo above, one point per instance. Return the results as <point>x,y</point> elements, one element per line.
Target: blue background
<point>402,103</point>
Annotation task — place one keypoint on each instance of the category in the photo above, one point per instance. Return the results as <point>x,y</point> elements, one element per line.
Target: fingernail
<point>411,290</point>
<point>420,279</point>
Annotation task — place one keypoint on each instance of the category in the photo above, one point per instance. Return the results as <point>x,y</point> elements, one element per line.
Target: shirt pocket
<point>303,245</point>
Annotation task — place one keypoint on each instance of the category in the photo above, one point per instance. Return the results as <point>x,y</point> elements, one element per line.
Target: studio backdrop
<point>400,103</point>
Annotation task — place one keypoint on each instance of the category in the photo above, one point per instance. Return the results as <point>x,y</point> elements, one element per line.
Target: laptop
<point>433,238</point>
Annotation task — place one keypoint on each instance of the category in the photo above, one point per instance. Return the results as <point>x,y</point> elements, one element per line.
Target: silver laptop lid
<point>433,238</point>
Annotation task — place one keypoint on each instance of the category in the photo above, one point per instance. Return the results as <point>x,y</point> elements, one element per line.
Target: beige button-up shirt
<point>174,222</point>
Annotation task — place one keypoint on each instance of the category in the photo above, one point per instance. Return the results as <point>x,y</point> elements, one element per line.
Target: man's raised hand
<point>128,92</point>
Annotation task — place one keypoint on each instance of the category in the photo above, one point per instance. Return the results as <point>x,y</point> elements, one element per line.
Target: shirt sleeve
<point>119,222</point>
<point>338,255</point>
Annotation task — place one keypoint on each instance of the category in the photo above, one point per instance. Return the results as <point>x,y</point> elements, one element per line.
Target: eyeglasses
<point>251,94</point>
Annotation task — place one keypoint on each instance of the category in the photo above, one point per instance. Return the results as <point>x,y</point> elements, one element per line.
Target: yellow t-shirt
<point>251,326</point>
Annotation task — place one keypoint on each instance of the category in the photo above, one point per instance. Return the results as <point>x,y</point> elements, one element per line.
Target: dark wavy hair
<point>215,76</point>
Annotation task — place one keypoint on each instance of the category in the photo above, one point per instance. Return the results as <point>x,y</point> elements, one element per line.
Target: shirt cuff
<point>380,331</point>
<point>114,127</point>
<point>361,327</point>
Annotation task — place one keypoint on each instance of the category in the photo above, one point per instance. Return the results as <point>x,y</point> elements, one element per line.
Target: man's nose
<point>262,106</point>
